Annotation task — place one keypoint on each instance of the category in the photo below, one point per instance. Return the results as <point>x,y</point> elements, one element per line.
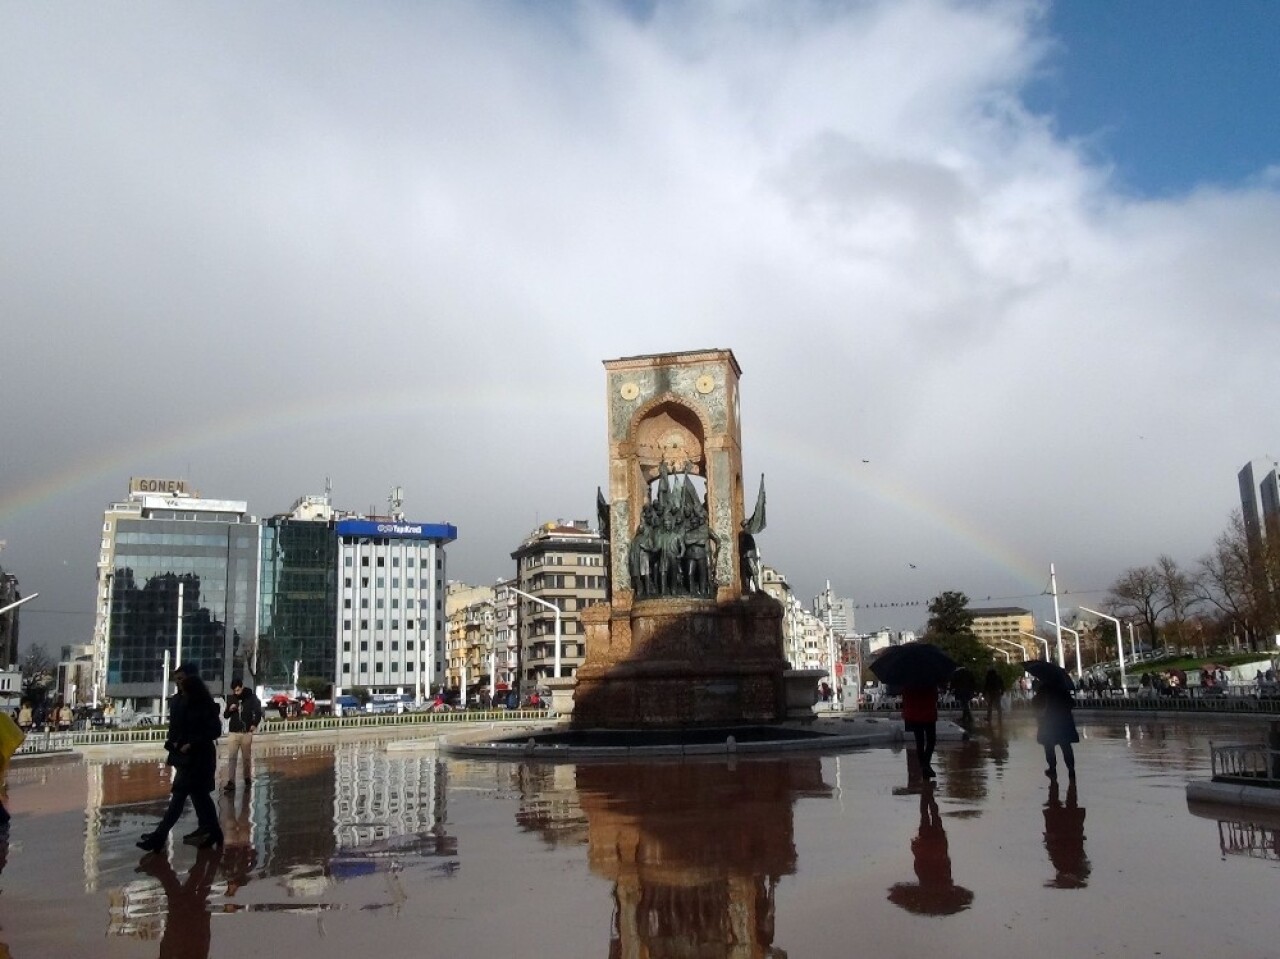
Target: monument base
<point>675,662</point>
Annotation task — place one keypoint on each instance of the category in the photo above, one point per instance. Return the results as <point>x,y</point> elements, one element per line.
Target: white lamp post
<point>1119,645</point>
<point>1018,646</point>
<point>25,599</point>
<point>1066,629</point>
<point>1002,652</point>
<point>1040,638</point>
<point>556,610</point>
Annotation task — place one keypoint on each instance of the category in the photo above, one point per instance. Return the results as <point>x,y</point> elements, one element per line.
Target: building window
<point>364,560</point>
<point>381,582</point>
<point>346,582</point>
<point>364,624</point>
<point>382,561</point>
<point>364,645</point>
<point>379,625</point>
<point>395,562</point>
<point>346,604</point>
<point>346,667</point>
<point>346,625</point>
<point>346,647</point>
<point>346,561</point>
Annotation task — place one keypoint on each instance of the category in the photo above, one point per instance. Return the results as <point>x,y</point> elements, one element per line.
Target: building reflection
<point>315,815</point>
<point>694,849</point>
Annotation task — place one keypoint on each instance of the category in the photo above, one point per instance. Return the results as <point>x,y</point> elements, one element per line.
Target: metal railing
<point>1252,763</point>
<point>41,742</point>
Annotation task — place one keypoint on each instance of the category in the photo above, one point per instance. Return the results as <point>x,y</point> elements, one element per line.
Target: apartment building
<point>561,565</point>
<point>998,626</point>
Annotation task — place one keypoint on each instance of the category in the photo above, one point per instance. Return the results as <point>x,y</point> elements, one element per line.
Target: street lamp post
<point>1040,638</point>
<point>1119,645</point>
<point>1003,652</point>
<point>1018,646</point>
<point>556,610</point>
<point>1066,629</point>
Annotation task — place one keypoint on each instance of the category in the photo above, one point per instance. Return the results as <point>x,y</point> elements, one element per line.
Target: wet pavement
<point>377,850</point>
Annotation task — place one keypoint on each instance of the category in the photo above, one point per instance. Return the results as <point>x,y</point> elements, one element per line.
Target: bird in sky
<point>912,565</point>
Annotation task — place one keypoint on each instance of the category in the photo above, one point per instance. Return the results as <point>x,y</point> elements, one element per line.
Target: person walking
<point>993,692</point>
<point>194,727</point>
<point>1056,726</point>
<point>243,715</point>
<point>920,717</point>
<point>963,688</point>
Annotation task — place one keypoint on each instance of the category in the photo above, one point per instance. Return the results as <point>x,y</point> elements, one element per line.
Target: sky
<point>1001,276</point>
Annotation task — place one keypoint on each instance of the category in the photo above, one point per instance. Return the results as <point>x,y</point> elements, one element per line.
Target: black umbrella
<point>914,664</point>
<point>1049,673</point>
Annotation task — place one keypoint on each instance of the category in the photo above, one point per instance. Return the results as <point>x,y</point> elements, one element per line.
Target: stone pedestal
<point>561,694</point>
<point>677,662</point>
<point>800,691</point>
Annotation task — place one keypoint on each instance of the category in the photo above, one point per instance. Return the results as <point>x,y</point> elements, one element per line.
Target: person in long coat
<point>195,723</point>
<point>920,718</point>
<point>1056,726</point>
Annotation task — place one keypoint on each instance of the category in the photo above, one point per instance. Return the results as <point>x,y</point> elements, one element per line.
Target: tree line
<point>1228,596</point>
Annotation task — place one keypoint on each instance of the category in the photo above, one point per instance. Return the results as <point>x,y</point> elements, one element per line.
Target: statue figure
<point>642,553</point>
<point>750,556</point>
<point>670,553</point>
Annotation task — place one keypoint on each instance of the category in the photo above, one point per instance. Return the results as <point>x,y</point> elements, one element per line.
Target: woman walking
<point>194,726</point>
<point>920,717</point>
<point>1056,726</point>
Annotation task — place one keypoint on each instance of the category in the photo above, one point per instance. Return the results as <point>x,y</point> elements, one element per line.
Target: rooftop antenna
<point>396,502</point>
<point>328,491</point>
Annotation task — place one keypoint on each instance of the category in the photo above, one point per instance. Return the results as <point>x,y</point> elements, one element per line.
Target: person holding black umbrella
<point>1056,726</point>
<point>920,717</point>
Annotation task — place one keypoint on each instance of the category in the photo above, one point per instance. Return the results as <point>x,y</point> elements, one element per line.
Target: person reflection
<point>239,856</point>
<point>936,893</point>
<point>186,925</point>
<point>1064,839</point>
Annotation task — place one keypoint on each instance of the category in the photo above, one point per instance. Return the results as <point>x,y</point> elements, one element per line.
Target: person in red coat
<point>920,716</point>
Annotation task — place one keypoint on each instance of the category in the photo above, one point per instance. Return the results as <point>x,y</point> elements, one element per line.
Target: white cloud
<point>220,212</point>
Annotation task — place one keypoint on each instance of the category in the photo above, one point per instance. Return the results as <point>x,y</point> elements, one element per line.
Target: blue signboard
<point>398,529</point>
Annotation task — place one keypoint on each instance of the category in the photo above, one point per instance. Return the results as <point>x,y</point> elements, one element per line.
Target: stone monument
<point>687,637</point>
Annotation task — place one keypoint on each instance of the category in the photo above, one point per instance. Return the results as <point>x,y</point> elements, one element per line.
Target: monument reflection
<point>695,850</point>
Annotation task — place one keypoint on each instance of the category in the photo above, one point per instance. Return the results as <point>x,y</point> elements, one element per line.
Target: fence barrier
<point>50,741</point>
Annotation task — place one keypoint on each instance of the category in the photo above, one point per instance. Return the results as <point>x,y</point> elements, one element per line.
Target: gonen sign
<point>167,487</point>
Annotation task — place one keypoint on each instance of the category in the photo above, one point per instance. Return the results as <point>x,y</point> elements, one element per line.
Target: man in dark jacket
<point>243,713</point>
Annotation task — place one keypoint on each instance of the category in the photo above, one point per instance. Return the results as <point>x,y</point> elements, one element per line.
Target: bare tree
<point>1139,594</point>
<point>1178,589</point>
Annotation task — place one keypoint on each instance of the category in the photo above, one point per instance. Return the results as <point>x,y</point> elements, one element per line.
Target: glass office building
<point>171,553</point>
<point>299,601</point>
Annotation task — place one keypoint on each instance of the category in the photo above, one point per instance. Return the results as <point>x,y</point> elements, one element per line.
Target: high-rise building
<point>177,574</point>
<point>392,616</point>
<point>9,593</point>
<point>835,612</point>
<point>560,563</point>
<point>298,608</point>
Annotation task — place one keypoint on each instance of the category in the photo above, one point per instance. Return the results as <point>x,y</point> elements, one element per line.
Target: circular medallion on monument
<point>629,391</point>
<point>705,383</point>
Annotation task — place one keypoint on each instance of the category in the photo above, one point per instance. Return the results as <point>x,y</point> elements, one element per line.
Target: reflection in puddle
<point>1064,839</point>
<point>1253,833</point>
<point>934,893</point>
<point>694,850</point>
